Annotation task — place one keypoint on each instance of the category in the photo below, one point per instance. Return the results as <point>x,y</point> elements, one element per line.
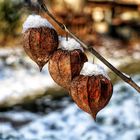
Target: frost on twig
<point>126,75</point>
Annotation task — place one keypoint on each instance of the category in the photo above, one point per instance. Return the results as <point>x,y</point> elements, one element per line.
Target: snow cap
<point>35,21</point>
<point>90,69</point>
<point>70,44</point>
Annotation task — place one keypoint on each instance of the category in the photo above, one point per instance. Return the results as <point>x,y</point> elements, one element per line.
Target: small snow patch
<point>35,21</point>
<point>90,69</point>
<point>70,44</point>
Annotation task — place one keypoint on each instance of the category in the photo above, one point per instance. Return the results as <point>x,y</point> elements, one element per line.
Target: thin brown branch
<point>123,76</point>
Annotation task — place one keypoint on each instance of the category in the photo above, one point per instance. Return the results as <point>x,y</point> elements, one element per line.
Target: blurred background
<point>33,107</point>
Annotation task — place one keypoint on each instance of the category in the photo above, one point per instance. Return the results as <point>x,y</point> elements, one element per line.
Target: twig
<point>125,78</point>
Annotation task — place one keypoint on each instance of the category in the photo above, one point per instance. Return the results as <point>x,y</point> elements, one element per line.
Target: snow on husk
<point>70,44</point>
<point>120,120</point>
<point>90,69</point>
<point>35,21</point>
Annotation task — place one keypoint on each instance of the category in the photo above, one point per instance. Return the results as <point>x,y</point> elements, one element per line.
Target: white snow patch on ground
<point>20,78</point>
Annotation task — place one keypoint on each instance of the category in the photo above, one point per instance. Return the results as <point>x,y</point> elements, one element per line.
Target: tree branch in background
<point>123,76</point>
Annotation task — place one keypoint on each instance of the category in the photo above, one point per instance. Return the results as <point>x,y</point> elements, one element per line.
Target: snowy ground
<point>20,78</point>
<point>120,120</point>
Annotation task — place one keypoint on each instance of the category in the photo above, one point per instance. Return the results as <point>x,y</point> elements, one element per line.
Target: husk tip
<point>94,115</point>
<point>40,68</point>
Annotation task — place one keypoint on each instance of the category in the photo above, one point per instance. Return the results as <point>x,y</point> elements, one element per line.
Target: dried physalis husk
<point>66,63</point>
<point>91,91</point>
<point>40,39</point>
